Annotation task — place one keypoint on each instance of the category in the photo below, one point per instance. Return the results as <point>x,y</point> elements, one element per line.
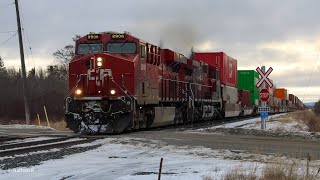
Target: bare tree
<point>67,53</point>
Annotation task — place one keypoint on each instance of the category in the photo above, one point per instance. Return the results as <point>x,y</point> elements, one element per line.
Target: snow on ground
<point>274,123</point>
<point>290,125</point>
<point>22,126</point>
<point>126,158</point>
<point>246,122</point>
<point>114,160</point>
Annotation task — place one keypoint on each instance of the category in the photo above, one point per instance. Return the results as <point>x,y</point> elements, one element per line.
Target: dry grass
<point>59,125</point>
<point>9,122</point>
<point>274,172</point>
<point>309,118</point>
<point>238,174</point>
<point>281,172</point>
<point>56,124</point>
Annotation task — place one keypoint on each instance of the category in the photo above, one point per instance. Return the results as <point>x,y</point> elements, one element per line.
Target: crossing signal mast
<point>264,93</point>
<point>23,67</point>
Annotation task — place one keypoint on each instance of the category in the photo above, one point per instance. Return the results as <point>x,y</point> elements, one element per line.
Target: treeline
<point>46,87</point>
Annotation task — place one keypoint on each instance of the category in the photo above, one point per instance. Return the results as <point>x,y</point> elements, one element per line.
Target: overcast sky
<point>282,34</point>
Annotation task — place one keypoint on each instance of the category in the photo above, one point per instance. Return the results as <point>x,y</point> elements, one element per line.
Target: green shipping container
<point>254,98</point>
<point>247,80</point>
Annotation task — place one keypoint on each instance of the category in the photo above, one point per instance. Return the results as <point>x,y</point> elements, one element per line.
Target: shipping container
<point>244,97</point>
<point>254,98</point>
<point>276,102</point>
<point>271,101</point>
<point>226,65</point>
<point>292,98</point>
<point>284,102</point>
<point>280,93</point>
<point>247,80</point>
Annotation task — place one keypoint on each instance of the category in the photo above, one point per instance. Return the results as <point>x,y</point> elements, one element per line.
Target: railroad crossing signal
<point>264,77</point>
<point>264,95</point>
<point>263,109</point>
<point>264,115</point>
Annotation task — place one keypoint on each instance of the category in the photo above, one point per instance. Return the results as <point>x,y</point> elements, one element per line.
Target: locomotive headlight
<point>99,64</point>
<point>99,59</point>
<point>78,92</point>
<point>112,92</point>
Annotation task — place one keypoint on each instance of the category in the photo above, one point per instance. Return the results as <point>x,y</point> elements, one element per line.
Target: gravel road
<point>283,146</point>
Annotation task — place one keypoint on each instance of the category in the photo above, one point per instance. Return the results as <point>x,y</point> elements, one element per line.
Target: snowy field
<point>125,159</point>
<point>134,158</point>
<point>122,160</point>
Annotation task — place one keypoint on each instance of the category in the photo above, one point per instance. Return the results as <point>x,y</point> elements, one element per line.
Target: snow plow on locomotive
<point>118,82</point>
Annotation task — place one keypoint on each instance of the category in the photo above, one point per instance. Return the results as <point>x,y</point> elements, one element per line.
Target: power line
<point>24,29</point>
<point>8,39</point>
<point>314,66</point>
<point>26,34</point>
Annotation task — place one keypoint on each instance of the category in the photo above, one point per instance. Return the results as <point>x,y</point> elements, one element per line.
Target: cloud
<point>282,34</point>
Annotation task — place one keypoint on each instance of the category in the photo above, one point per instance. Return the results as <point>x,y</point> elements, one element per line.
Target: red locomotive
<point>118,82</point>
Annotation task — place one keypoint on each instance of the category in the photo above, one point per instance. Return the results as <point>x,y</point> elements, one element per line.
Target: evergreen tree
<point>317,108</point>
<point>1,64</point>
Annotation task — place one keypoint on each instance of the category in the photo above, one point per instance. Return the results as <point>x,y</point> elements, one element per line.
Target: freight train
<point>118,82</point>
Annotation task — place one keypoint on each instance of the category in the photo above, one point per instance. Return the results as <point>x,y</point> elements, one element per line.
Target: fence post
<point>160,169</point>
<point>308,164</point>
<point>45,112</point>
<point>39,122</point>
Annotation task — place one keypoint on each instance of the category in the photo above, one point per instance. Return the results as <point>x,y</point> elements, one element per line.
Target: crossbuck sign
<point>264,77</point>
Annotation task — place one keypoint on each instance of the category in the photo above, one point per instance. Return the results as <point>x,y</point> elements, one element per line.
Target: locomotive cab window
<point>121,48</point>
<point>89,48</point>
<point>142,51</point>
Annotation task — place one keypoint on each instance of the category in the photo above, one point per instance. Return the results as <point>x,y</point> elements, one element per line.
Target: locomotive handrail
<point>186,82</point>
<point>131,100</point>
<point>75,86</point>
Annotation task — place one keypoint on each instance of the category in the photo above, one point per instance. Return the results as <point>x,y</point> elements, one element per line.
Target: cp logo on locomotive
<point>98,75</point>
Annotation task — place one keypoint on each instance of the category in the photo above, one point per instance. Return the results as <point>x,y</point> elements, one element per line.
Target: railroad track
<point>33,146</point>
<point>5,139</point>
<point>204,124</point>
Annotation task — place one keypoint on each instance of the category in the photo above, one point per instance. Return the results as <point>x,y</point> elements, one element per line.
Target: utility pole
<point>23,67</point>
